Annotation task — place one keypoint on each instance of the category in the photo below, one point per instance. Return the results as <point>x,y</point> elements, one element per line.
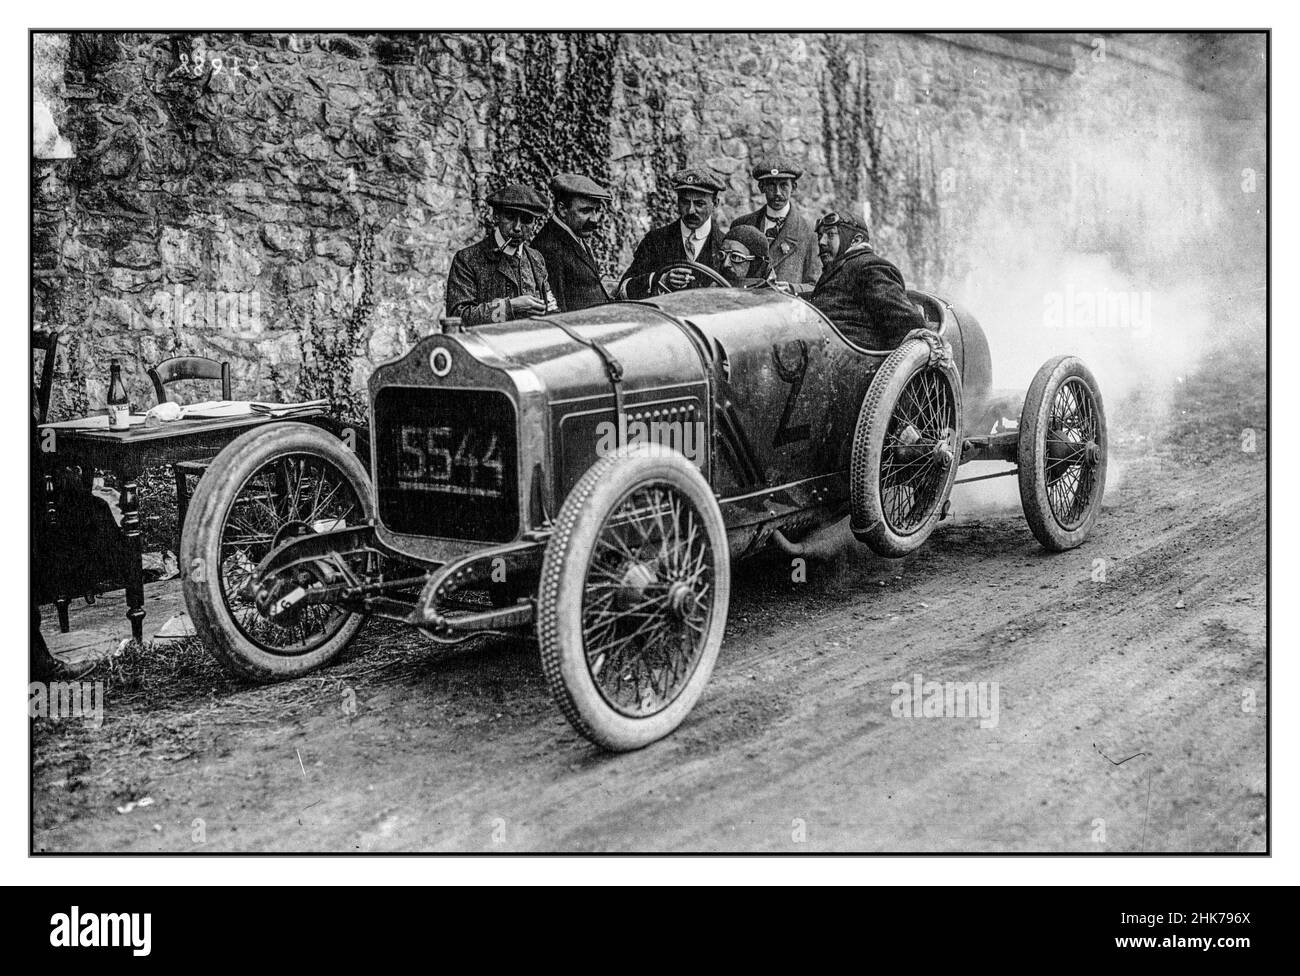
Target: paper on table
<point>212,409</point>
<point>289,409</point>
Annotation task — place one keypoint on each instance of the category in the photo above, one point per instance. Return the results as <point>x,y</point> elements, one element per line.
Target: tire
<point>906,448</point>
<point>592,604</point>
<point>253,493</point>
<point>1062,453</point>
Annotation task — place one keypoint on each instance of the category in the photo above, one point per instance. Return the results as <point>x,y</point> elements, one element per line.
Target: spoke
<point>639,649</point>
<point>1072,430</point>
<point>264,499</point>
<point>910,488</point>
<point>297,483</point>
<point>320,507</point>
<point>253,519</point>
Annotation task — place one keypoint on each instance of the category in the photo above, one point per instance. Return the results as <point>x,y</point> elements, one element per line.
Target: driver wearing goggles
<point>858,290</point>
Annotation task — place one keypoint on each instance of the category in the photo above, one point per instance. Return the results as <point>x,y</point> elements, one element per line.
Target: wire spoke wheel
<point>905,448</point>
<point>1071,451</point>
<point>1062,453</point>
<point>917,452</point>
<point>268,486</point>
<point>293,495</point>
<point>648,600</point>
<point>633,596</point>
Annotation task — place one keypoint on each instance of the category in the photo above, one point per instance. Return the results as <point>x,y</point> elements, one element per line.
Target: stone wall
<point>291,202</point>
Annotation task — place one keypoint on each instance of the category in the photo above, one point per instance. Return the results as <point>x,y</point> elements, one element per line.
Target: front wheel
<point>1062,453</point>
<point>633,597</point>
<point>269,485</point>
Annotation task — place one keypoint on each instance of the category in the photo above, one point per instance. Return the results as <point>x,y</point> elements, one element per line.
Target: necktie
<point>774,229</point>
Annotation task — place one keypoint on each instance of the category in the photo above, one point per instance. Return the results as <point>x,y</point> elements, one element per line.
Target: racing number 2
<point>785,434</point>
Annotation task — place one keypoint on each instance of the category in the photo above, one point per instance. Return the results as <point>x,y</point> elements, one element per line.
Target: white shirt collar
<point>700,234</point>
<point>775,215</point>
<point>511,250</point>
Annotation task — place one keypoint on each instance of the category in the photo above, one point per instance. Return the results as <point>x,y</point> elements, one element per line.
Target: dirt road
<point>1130,689</point>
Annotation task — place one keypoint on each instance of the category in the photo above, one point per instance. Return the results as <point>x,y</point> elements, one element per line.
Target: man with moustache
<point>565,242</point>
<point>694,237</point>
<point>860,291</point>
<point>501,278</point>
<point>791,243</point>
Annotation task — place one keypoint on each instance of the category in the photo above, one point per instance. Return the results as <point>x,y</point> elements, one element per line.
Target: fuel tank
<point>663,383</point>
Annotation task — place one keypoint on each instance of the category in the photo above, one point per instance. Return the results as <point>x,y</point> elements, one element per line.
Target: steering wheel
<point>696,269</point>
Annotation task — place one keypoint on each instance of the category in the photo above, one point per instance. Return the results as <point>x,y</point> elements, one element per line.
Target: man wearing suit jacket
<point>564,242</point>
<point>694,237</point>
<point>791,243</point>
<point>501,278</point>
<point>860,291</point>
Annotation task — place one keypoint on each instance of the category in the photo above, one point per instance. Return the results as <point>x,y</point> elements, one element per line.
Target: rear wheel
<point>271,484</point>
<point>633,597</point>
<point>906,447</point>
<point>1062,453</point>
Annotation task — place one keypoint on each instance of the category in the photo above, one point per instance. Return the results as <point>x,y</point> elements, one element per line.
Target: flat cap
<point>775,169</point>
<point>750,238</point>
<point>577,185</point>
<point>517,196</point>
<point>696,178</point>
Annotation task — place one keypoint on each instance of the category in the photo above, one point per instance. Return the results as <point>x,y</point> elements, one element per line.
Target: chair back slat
<point>49,342</point>
<point>188,368</point>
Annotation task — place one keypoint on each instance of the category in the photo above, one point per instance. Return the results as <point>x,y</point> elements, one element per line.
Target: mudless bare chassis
<point>594,474</point>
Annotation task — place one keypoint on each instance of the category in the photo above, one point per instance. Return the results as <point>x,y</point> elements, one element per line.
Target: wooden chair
<point>70,480</point>
<point>174,371</point>
<point>188,368</point>
<point>48,342</point>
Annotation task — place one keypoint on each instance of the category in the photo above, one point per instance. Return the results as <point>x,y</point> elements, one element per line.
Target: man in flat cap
<point>860,291</point>
<point>791,243</point>
<point>694,237</point>
<point>501,278</point>
<point>564,242</point>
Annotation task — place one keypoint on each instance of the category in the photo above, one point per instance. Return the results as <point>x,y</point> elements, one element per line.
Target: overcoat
<point>483,278</point>
<point>661,247</point>
<point>572,271</point>
<point>866,297</point>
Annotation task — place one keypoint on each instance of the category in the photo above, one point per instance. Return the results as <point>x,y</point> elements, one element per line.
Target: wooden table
<point>127,453</point>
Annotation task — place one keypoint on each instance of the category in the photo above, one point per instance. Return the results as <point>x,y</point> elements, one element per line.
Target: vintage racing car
<point>593,474</point>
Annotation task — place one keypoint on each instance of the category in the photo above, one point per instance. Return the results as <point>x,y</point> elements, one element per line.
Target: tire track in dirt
<point>794,737</point>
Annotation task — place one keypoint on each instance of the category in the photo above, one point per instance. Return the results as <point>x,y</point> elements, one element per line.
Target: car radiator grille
<point>446,463</point>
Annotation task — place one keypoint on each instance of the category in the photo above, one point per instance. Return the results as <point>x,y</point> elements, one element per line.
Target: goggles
<point>736,257</point>
<point>832,220</point>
